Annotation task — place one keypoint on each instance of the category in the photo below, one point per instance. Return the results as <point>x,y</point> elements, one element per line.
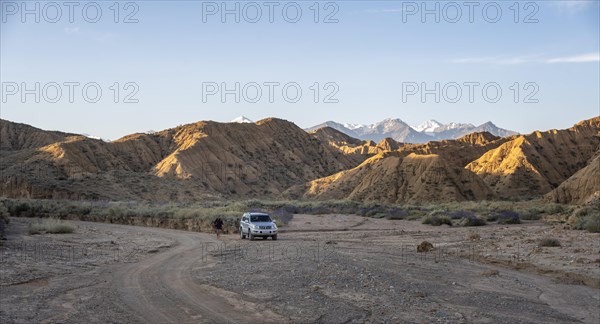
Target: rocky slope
<point>357,149</point>
<point>184,163</point>
<point>458,152</point>
<point>582,187</point>
<point>534,164</point>
<point>391,178</point>
<point>16,136</point>
<point>476,166</point>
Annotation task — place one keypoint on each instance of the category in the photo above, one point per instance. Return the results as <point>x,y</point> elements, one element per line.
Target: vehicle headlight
<point>252,226</point>
<point>274,226</point>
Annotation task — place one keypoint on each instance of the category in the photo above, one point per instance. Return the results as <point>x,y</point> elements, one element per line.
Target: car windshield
<point>260,218</point>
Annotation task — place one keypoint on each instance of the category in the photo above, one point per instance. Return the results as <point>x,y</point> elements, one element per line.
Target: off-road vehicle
<point>257,224</point>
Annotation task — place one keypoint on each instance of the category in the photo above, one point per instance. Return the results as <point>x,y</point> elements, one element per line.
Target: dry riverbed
<point>330,268</point>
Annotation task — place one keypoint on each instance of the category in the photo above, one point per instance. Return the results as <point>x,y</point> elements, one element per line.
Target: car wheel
<point>242,235</point>
<point>274,237</point>
<point>250,236</point>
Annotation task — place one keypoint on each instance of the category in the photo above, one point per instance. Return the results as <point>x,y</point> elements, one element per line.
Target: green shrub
<point>437,218</point>
<point>52,226</point>
<point>492,217</point>
<point>472,220</point>
<point>509,217</point>
<point>587,218</point>
<point>532,214</point>
<point>552,209</point>
<point>4,213</point>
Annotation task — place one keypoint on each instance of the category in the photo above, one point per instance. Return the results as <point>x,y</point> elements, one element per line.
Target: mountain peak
<point>353,126</point>
<point>428,126</point>
<point>242,120</point>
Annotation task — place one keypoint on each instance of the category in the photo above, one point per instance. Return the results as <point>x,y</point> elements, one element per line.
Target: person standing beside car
<point>218,224</point>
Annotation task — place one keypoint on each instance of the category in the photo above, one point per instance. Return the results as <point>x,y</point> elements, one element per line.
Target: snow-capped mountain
<point>392,128</point>
<point>242,120</point>
<point>91,136</point>
<point>452,131</point>
<point>491,128</point>
<point>428,126</point>
<point>353,126</point>
<point>400,131</point>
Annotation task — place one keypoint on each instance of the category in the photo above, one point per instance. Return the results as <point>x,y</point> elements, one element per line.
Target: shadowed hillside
<point>184,163</point>
<point>582,187</point>
<point>390,178</point>
<point>535,164</point>
<point>352,147</point>
<point>15,136</point>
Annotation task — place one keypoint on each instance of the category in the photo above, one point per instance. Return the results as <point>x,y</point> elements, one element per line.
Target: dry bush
<point>51,226</point>
<point>437,218</point>
<point>549,242</point>
<point>424,247</point>
<point>474,237</point>
<point>587,218</point>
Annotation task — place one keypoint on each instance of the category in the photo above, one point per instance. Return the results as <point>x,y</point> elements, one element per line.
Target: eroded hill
<point>582,187</point>
<point>537,163</point>
<point>184,163</point>
<point>392,178</point>
<point>275,159</point>
<point>477,166</point>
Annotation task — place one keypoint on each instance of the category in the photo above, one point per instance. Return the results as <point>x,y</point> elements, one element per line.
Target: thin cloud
<point>571,6</point>
<point>498,60</point>
<point>583,58</point>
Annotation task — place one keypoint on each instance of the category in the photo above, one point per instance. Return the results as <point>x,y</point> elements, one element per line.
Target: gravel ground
<point>327,269</point>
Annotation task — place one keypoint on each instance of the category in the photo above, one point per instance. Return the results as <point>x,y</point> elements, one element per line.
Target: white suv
<point>257,224</point>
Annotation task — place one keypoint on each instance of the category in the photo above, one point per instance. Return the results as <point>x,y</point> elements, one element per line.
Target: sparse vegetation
<point>509,217</point>
<point>492,217</point>
<point>51,226</point>
<point>437,218</point>
<point>531,214</point>
<point>474,237</point>
<point>587,218</point>
<point>471,219</point>
<point>4,220</point>
<point>463,214</point>
<point>549,242</point>
<point>283,216</point>
<point>199,216</point>
<point>4,213</point>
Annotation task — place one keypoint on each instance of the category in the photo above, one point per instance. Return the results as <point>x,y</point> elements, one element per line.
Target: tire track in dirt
<point>161,289</point>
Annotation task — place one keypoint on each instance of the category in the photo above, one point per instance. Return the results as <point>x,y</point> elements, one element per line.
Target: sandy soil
<point>329,268</point>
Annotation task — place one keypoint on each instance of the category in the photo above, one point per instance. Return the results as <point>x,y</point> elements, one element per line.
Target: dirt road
<point>355,272</point>
<point>161,288</point>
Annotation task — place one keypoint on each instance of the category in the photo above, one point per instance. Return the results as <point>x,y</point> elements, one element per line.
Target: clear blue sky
<point>373,49</point>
